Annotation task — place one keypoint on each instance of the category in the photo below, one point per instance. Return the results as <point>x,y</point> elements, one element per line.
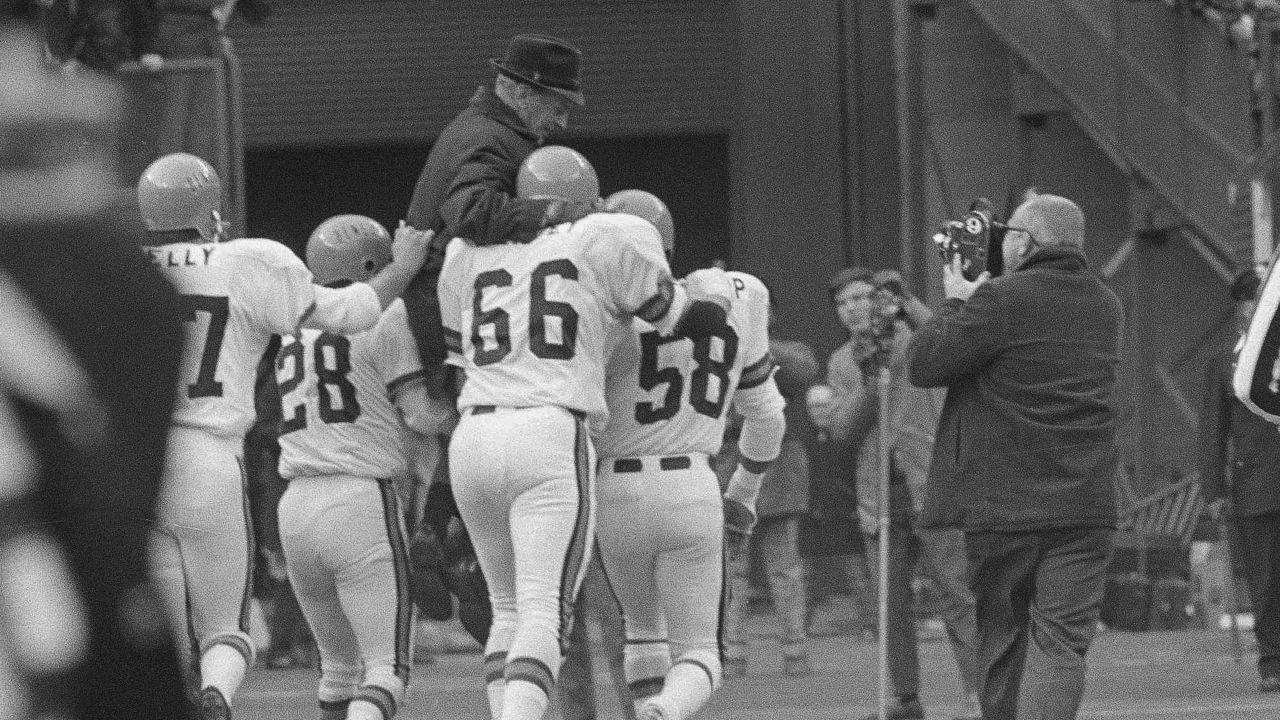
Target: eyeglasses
<point>1030,235</point>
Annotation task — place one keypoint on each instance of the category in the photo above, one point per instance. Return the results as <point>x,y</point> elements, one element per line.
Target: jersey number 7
<point>218,308</point>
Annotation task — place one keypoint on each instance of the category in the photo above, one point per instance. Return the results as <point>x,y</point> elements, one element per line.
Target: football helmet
<point>555,171</point>
<point>348,247</point>
<point>181,192</point>
<point>645,205</point>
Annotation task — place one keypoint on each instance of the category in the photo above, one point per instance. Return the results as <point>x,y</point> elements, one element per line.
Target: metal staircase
<point>1161,91</point>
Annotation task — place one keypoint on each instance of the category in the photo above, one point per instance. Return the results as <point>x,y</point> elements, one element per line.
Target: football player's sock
<point>523,700</point>
<point>364,710</point>
<point>334,709</point>
<point>646,663</point>
<point>223,666</point>
<point>496,690</point>
<point>495,681</point>
<point>688,688</point>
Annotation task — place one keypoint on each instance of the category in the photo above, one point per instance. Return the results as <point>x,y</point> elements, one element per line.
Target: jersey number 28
<point>540,309</point>
<point>330,376</point>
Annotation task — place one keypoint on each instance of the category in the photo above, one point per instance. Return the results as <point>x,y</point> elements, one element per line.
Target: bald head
<point>1055,220</point>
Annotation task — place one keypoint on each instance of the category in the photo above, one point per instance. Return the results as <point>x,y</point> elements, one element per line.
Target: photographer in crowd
<point>1026,454</point>
<point>881,317</point>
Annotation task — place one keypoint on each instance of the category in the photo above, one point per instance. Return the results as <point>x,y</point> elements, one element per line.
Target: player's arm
<point>761,406</point>
<point>643,286</point>
<point>481,204</point>
<point>409,388</point>
<point>451,301</point>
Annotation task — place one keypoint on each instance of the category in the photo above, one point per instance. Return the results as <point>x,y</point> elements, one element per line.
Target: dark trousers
<point>1260,553</point>
<point>940,555</point>
<point>1038,598</point>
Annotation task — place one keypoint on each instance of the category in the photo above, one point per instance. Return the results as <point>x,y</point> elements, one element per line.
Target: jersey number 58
<point>651,376</point>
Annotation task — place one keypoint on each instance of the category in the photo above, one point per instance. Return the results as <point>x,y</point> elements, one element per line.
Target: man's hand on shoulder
<point>410,246</point>
<point>955,285</point>
<point>563,211</point>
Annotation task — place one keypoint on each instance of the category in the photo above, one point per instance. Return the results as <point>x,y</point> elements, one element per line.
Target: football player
<point>528,325</point>
<point>662,521</point>
<point>235,296</point>
<point>345,401</point>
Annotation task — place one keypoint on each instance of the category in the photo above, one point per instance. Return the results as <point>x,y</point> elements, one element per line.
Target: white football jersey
<point>336,396</point>
<point>670,396</point>
<point>530,323</point>
<point>235,295</point>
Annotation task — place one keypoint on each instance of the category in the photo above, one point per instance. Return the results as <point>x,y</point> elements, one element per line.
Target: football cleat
<point>213,706</point>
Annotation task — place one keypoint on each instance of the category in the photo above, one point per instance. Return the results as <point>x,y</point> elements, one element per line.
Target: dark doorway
<point>291,190</point>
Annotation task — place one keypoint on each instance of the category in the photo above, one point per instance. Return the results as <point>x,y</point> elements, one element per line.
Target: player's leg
<point>210,515</point>
<point>373,586</point>
<point>477,470</point>
<point>625,535</point>
<point>691,583</point>
<point>552,531</point>
<point>307,520</point>
<point>165,561</point>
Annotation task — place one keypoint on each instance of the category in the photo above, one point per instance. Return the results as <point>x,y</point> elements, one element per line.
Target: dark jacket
<point>1027,438</point>
<point>468,189</point>
<point>1239,451</point>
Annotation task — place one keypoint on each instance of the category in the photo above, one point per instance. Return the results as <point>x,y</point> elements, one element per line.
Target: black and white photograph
<point>639,360</point>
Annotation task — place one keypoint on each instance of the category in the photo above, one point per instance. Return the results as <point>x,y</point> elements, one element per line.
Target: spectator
<point>880,340</point>
<point>91,343</point>
<point>1240,472</point>
<point>784,498</point>
<point>1025,458</point>
<point>835,537</point>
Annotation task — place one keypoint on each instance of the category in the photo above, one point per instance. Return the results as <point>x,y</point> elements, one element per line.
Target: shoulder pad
<point>268,252</point>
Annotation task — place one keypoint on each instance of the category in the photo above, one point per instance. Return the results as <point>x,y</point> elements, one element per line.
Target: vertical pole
<point>911,121</point>
<point>882,523</point>
<point>1263,231</point>
<point>233,97</point>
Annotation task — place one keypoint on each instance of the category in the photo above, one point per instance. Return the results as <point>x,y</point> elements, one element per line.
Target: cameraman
<point>879,338</point>
<point>1026,452</point>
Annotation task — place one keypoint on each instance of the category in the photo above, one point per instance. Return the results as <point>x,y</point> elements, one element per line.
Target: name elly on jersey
<point>180,257</point>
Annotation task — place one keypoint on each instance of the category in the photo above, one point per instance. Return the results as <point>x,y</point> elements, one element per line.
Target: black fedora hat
<point>545,62</point>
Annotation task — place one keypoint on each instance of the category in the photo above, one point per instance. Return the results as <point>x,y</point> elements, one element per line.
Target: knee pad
<point>706,659</point>
<point>645,664</point>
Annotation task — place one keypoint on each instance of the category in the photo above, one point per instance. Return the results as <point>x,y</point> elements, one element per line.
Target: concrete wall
<point>813,151</point>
